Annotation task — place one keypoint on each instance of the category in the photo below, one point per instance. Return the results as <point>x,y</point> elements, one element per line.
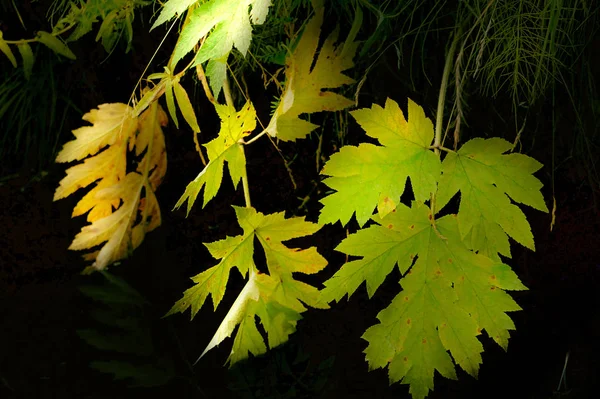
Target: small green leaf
<point>4,47</point>
<point>171,102</point>
<point>28,58</point>
<point>185,106</point>
<point>55,44</point>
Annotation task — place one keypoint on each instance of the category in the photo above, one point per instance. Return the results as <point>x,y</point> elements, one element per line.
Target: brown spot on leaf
<point>492,288</point>
<point>390,226</point>
<point>412,227</point>
<point>407,321</point>
<point>406,299</point>
<point>493,277</point>
<point>405,359</point>
<point>424,341</point>
<point>449,260</point>
<point>268,238</point>
<point>438,272</point>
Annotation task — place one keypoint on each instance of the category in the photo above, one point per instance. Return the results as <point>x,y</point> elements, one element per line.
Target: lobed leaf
<point>276,298</point>
<point>226,147</point>
<point>384,169</point>
<point>304,89</point>
<point>449,296</point>
<point>487,180</point>
<point>119,215</point>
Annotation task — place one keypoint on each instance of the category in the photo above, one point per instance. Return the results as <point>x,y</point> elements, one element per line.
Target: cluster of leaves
<point>454,280</point>
<point>116,15</point>
<point>122,206</point>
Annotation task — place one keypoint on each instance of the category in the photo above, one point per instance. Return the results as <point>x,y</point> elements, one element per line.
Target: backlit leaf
<point>304,89</point>
<point>276,298</point>
<point>226,147</point>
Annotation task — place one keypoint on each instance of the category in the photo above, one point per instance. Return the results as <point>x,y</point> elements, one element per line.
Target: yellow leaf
<point>304,92</point>
<point>185,106</point>
<point>122,207</point>
<point>110,123</point>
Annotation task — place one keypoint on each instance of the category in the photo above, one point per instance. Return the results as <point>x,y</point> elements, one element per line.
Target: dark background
<point>42,307</point>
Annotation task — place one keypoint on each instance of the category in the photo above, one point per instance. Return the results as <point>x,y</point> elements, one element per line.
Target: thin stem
<point>245,185</point>
<point>227,92</point>
<point>442,97</point>
<point>253,139</point>
<point>440,111</point>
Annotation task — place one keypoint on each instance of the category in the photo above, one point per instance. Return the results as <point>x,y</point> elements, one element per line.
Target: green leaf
<point>55,44</point>
<point>486,178</point>
<point>226,147</point>
<point>383,169</point>
<point>231,23</point>
<point>216,71</point>
<point>276,298</point>
<point>233,252</point>
<point>449,295</point>
<point>185,106</point>
<point>172,8</point>
<point>5,48</point>
<point>28,58</point>
<point>171,102</point>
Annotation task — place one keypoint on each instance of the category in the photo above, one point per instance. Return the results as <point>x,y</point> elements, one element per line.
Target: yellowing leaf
<point>122,207</point>
<point>276,298</point>
<point>304,90</point>
<point>383,169</point>
<point>185,106</point>
<point>486,178</point>
<point>226,147</point>
<point>449,295</point>
<point>110,123</point>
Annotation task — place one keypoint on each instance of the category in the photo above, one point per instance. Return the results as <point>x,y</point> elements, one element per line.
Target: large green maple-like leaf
<point>226,147</point>
<point>276,298</point>
<point>370,176</point>
<point>305,84</point>
<point>229,21</point>
<point>486,178</point>
<point>450,295</point>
